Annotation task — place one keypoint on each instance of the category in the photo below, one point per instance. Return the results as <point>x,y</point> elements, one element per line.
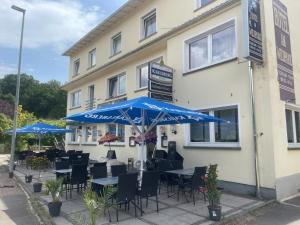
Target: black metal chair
<point>149,188</point>
<point>127,186</point>
<point>117,170</point>
<point>196,183</point>
<point>79,177</point>
<point>98,171</point>
<point>171,180</point>
<point>85,157</point>
<point>111,154</point>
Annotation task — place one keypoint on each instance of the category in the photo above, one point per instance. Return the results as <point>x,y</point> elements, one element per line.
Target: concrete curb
<point>35,206</point>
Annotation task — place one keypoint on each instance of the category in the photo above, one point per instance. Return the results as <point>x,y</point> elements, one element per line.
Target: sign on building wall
<point>253,49</point>
<point>283,52</point>
<point>160,84</point>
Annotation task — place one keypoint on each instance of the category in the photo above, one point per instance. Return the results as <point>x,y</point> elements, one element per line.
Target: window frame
<point>72,95</point>
<point>293,109</point>
<point>93,51</point>
<point>117,131</point>
<point>112,52</point>
<point>143,27</point>
<point>86,137</point>
<point>199,6</point>
<point>73,134</point>
<point>138,74</point>
<point>232,22</point>
<point>212,140</point>
<point>118,86</point>
<point>76,73</point>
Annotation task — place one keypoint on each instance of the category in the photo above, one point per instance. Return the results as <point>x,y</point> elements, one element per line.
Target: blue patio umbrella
<point>41,129</point>
<point>143,114</point>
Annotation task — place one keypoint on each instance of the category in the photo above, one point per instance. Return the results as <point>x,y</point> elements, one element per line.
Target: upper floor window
<point>293,126</point>
<point>76,67</point>
<point>149,24</point>
<point>76,99</point>
<point>142,74</point>
<point>117,86</point>
<point>212,47</point>
<point>91,97</point>
<point>92,58</point>
<point>219,132</point>
<point>116,44</point>
<point>202,3</point>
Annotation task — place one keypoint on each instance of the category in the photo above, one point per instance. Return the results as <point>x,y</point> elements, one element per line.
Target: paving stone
<point>235,201</point>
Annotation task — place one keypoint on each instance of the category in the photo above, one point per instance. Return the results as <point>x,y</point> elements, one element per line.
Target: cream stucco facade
<point>218,85</point>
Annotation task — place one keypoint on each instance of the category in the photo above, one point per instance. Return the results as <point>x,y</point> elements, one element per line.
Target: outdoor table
<point>106,181</point>
<point>63,171</point>
<point>181,173</point>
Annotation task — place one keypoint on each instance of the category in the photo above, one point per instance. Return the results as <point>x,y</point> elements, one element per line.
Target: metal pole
<point>14,133</point>
<point>256,162</point>
<point>143,139</point>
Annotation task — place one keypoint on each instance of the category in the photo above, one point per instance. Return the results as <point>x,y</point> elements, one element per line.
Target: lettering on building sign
<point>252,31</point>
<point>160,84</point>
<point>283,52</point>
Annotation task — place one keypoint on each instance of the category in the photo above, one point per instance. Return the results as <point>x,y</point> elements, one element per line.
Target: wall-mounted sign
<point>160,84</point>
<point>283,52</point>
<point>253,49</point>
<point>161,97</point>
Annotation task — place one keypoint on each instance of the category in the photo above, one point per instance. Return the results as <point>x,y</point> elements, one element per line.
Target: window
<point>149,24</point>
<point>219,132</point>
<point>116,44</point>
<point>202,3</point>
<point>90,134</point>
<point>111,102</point>
<point>118,130</point>
<point>142,74</point>
<point>76,99</point>
<point>74,135</point>
<point>212,47</point>
<point>92,58</point>
<point>91,97</point>
<point>292,126</point>
<point>76,67</point>
<point>117,86</point>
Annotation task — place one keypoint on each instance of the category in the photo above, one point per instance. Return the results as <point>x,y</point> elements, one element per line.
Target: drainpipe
<point>256,162</point>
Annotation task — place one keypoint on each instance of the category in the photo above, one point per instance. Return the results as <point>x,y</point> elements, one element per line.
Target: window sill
<point>73,143</point>
<point>202,6</point>
<point>144,38</point>
<point>141,89</point>
<point>115,54</point>
<point>89,143</point>
<point>75,107</point>
<point>91,67</point>
<point>116,98</point>
<point>118,144</point>
<point>187,72</point>
<point>295,146</point>
<point>75,75</point>
<point>221,146</point>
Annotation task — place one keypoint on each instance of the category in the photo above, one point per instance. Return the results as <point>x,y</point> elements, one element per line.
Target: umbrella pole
<point>39,142</point>
<point>143,140</point>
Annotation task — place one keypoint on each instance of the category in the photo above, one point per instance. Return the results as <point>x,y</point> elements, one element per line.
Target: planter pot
<point>54,208</point>
<point>28,178</point>
<point>37,187</point>
<point>215,212</point>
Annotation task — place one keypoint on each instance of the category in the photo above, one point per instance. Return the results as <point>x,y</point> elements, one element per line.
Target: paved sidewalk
<point>13,203</point>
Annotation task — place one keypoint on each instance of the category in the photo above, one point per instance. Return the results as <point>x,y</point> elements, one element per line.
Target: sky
<point>51,27</point>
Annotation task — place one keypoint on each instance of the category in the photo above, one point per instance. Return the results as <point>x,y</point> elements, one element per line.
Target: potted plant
<point>28,177</point>
<point>213,194</point>
<point>39,164</point>
<point>54,188</point>
<point>97,204</point>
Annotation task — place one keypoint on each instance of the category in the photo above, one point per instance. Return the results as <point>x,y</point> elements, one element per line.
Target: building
<point>204,42</point>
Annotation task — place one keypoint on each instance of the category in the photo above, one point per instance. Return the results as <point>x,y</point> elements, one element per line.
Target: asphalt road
<point>14,208</point>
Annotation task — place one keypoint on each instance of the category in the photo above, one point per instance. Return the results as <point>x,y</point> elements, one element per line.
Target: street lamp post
<point>13,138</point>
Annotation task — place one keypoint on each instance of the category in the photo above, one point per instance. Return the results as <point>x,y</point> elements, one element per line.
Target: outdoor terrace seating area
<point>166,193</point>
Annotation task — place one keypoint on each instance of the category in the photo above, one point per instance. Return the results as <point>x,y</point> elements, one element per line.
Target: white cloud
<point>47,22</point>
<point>7,69</point>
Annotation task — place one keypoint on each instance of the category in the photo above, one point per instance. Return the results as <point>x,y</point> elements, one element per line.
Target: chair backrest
<point>150,182</point>
<point>70,152</point>
<point>117,170</point>
<point>198,177</point>
<point>79,173</point>
<point>62,165</point>
<point>85,156</point>
<point>100,164</point>
<point>163,165</point>
<point>78,152</point>
<point>98,171</point>
<point>127,187</point>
